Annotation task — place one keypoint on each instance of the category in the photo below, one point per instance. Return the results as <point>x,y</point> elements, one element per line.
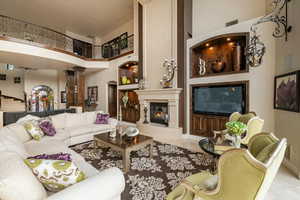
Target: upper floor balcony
<point>24,43</point>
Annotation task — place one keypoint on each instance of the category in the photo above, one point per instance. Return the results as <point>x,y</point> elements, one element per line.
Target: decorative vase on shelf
<point>124,80</point>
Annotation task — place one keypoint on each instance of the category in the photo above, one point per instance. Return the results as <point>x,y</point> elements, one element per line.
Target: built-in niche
<point>129,73</point>
<point>224,54</point>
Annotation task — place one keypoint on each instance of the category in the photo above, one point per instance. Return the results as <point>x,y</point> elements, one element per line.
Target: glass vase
<point>237,141</point>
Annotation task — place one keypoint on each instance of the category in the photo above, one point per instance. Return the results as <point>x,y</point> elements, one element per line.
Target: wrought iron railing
<point>35,34</point>
<point>115,47</point>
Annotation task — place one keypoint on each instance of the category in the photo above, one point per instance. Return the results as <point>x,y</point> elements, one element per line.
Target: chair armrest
<point>107,185</point>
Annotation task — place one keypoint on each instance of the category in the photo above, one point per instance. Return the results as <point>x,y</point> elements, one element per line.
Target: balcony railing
<point>35,34</point>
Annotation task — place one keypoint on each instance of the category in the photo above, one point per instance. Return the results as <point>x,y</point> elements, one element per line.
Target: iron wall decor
<point>287,95</point>
<point>256,49</point>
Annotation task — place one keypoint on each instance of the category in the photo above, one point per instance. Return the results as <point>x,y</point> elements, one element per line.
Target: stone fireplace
<point>159,113</point>
<point>163,110</point>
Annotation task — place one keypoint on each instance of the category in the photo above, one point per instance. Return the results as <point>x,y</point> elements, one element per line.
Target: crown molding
<point>144,2</point>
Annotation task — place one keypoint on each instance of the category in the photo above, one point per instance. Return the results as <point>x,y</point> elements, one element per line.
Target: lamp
<point>256,48</point>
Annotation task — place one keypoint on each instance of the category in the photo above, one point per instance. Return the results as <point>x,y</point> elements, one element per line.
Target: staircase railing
<point>35,34</point>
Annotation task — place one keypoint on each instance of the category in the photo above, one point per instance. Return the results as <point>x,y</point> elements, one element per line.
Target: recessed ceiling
<point>84,17</point>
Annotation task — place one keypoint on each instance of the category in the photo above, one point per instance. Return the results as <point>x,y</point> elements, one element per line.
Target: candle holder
<point>145,114</point>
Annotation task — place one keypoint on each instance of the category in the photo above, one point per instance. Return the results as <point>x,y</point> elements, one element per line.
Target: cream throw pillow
<point>33,128</point>
<point>20,132</point>
<point>55,175</point>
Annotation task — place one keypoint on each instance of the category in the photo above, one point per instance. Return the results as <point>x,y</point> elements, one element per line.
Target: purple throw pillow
<point>58,156</point>
<point>102,118</point>
<point>47,127</point>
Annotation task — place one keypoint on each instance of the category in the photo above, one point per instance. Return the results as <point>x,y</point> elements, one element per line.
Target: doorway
<point>112,99</point>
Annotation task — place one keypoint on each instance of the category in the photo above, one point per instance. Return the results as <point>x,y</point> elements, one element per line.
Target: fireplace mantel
<point>170,96</point>
<point>163,94</point>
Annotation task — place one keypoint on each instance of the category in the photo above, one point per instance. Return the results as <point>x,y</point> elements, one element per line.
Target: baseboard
<point>290,166</point>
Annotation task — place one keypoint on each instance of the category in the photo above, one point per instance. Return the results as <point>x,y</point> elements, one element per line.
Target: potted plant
<point>236,129</point>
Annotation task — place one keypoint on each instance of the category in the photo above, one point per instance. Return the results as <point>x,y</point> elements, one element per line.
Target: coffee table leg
<point>126,161</point>
<point>151,150</point>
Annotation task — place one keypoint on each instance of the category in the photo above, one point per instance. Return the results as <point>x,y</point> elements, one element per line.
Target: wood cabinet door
<point>112,100</point>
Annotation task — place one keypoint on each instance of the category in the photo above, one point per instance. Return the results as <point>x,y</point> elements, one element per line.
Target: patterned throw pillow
<point>102,118</point>
<point>58,156</point>
<point>47,127</point>
<point>55,175</point>
<point>32,127</point>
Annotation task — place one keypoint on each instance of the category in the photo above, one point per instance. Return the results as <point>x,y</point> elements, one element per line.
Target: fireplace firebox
<point>159,113</point>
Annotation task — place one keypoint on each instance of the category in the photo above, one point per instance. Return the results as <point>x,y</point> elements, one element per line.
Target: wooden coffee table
<point>124,145</point>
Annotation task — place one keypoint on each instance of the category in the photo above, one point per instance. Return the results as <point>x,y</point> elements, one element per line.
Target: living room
<point>149,99</point>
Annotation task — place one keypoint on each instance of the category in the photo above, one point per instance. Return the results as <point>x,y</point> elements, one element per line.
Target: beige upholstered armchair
<point>242,174</point>
<point>253,122</point>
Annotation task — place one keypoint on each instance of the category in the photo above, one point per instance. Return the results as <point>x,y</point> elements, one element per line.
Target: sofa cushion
<point>62,134</point>
<point>80,119</point>
<point>102,127</point>
<point>265,154</point>
<point>10,142</point>
<point>59,121</point>
<point>55,175</point>
<point>20,132</point>
<point>88,129</point>
<point>17,180</point>
<point>80,130</point>
<point>52,146</point>
<point>33,128</point>
<point>27,118</point>
<point>88,169</point>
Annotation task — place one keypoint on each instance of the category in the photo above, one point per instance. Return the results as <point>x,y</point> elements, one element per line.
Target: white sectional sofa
<point>17,182</point>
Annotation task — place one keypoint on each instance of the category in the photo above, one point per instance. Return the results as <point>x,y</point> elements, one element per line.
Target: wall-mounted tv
<point>220,100</point>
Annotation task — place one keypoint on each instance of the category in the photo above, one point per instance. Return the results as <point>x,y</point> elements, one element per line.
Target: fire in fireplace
<point>159,113</point>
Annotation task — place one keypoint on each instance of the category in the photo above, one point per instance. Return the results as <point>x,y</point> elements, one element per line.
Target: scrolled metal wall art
<point>256,48</point>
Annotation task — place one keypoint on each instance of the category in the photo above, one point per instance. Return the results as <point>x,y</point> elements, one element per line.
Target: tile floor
<point>285,187</point>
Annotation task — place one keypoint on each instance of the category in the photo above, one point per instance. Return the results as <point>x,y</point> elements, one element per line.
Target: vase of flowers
<point>236,129</point>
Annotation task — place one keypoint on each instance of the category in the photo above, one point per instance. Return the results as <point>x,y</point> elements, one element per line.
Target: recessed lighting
<point>207,44</point>
<point>211,48</point>
<point>231,43</point>
<point>228,39</point>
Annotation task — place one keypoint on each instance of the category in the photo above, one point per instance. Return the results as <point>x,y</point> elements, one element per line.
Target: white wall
<point>160,38</point>
<point>126,27</point>
<point>8,87</point>
<point>211,15</point>
<point>261,79</point>
<point>288,60</point>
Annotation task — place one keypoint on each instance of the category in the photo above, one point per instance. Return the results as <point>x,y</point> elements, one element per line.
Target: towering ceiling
<point>85,17</point>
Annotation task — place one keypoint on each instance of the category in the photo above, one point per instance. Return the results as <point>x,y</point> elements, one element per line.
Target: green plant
<point>236,128</point>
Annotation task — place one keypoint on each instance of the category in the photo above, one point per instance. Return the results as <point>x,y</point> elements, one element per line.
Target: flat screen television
<point>220,100</point>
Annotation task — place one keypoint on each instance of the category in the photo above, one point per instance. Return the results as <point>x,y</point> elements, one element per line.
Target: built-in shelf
<point>129,73</point>
<point>128,87</point>
<point>221,55</point>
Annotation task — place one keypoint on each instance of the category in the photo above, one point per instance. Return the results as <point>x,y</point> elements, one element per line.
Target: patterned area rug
<point>149,179</point>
